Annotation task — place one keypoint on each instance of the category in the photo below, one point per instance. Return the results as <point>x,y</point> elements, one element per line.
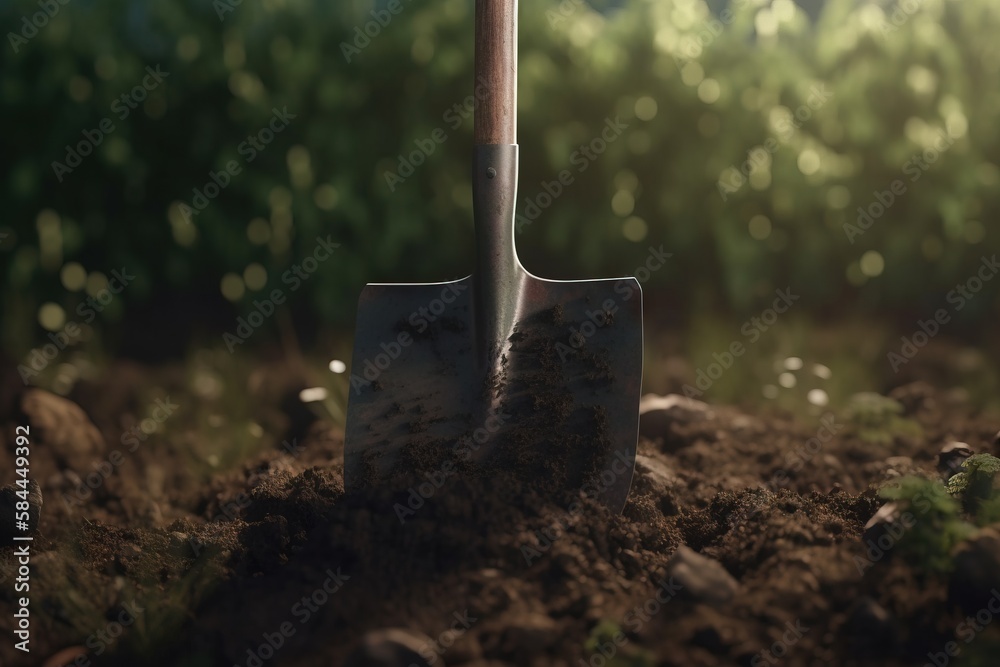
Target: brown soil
<point>219,561</point>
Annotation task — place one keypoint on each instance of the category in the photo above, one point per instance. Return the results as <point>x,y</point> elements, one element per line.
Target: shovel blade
<point>557,406</point>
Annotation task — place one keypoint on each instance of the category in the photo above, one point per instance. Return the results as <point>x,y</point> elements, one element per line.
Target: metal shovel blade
<point>498,373</point>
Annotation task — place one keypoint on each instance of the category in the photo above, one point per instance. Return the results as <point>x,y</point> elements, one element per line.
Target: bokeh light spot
<point>188,47</point>
<point>709,91</point>
<point>326,197</point>
<point>255,277</point>
<point>645,108</point>
<point>766,23</point>
<point>855,276</point>
<point>313,395</point>
<point>760,227</point>
<point>259,231</point>
<point>422,50</point>
<point>73,276</point>
<point>872,264</point>
<point>635,229</point>
<point>232,287</point>
<point>626,180</point>
<point>51,316</point>
<point>692,73</point>
<point>817,397</point>
<point>623,203</point>
<point>809,162</point>
<point>821,371</point>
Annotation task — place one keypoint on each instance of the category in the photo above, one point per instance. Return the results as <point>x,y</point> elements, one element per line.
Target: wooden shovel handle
<point>496,72</point>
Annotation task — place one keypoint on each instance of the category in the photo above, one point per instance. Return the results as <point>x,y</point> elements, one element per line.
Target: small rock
<point>530,633</point>
<point>655,471</point>
<point>656,413</point>
<point>8,507</point>
<point>703,579</point>
<point>393,647</point>
<point>951,457</point>
<point>975,580</point>
<point>885,522</point>
<point>63,428</point>
<point>655,477</point>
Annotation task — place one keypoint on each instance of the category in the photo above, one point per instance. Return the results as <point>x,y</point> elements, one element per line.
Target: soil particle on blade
<point>552,432</point>
<point>453,325</point>
<point>370,467</point>
<point>544,427</point>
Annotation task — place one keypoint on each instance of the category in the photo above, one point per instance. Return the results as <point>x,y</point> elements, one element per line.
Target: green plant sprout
<point>975,484</point>
<point>878,419</point>
<point>607,639</point>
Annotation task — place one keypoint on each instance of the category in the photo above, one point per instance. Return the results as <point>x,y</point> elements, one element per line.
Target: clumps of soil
<point>555,433</point>
<point>771,524</point>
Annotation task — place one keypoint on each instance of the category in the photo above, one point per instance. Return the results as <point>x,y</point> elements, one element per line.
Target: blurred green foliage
<point>608,639</point>
<point>945,514</point>
<point>938,526</point>
<point>879,419</point>
<point>698,95</point>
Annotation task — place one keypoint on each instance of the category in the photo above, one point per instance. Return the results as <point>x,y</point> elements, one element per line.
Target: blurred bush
<point>820,114</point>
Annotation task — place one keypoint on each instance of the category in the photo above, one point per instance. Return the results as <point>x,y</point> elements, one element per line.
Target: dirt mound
<point>272,563</point>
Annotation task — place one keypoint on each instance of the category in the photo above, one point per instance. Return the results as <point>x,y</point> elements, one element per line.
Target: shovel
<point>501,374</point>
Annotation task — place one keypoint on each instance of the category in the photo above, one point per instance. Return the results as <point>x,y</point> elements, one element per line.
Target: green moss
<point>975,484</point>
<point>607,639</point>
<point>937,525</point>
<point>945,514</point>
